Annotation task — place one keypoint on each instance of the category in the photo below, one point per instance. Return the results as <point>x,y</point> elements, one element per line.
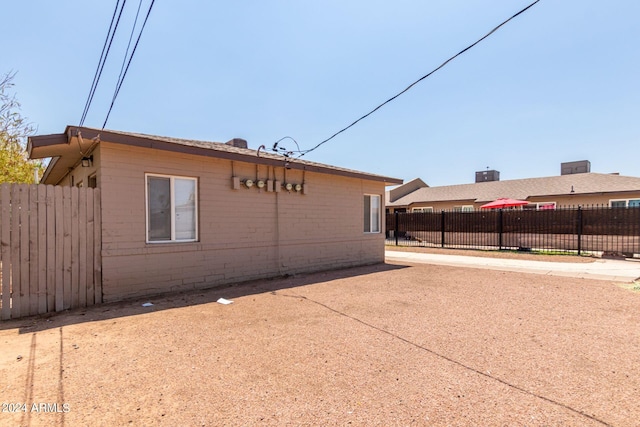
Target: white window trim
<point>173,208</point>
<point>464,208</point>
<point>538,204</point>
<point>424,209</point>
<point>371,216</point>
<point>554,204</point>
<point>626,201</point>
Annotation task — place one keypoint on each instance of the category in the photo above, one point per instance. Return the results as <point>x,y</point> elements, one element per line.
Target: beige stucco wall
<point>561,201</point>
<point>244,234</point>
<point>80,175</point>
<point>587,200</point>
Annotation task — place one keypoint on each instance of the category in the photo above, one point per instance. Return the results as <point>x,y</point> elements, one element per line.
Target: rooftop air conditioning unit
<point>569,168</point>
<point>487,176</point>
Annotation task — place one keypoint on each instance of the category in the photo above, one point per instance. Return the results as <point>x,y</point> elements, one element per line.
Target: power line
<point>302,153</point>
<point>121,80</point>
<point>126,52</point>
<point>103,58</point>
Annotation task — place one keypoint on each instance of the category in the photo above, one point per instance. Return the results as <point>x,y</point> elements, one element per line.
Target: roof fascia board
<point>46,141</point>
<point>147,142</point>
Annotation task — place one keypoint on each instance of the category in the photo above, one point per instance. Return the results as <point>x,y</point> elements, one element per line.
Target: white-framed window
<point>539,206</point>
<point>463,208</point>
<point>172,208</point>
<point>371,213</point>
<point>427,209</point>
<point>544,206</point>
<point>624,203</point>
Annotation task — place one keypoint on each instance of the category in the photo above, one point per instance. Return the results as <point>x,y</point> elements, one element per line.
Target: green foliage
<point>14,130</point>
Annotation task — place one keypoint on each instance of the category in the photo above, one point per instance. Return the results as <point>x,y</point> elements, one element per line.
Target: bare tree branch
<point>14,130</point>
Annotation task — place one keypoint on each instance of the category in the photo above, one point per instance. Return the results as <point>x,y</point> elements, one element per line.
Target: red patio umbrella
<point>503,203</point>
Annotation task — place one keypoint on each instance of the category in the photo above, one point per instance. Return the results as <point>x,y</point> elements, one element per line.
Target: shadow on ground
<point>167,301</point>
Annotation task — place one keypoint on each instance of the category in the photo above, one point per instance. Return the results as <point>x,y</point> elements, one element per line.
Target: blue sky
<point>559,83</point>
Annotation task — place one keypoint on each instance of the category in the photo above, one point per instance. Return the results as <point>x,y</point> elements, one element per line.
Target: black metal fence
<point>571,230</point>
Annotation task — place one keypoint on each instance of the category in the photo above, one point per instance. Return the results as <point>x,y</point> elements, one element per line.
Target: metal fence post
<point>579,229</point>
<point>500,230</point>
<point>442,229</point>
<point>395,229</point>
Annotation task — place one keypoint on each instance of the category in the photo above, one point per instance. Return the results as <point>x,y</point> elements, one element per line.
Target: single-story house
<point>576,186</point>
<point>180,214</point>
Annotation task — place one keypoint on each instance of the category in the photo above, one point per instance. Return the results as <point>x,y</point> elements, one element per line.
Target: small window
<point>546,206</point>
<point>92,181</point>
<point>371,213</point>
<point>624,203</point>
<point>428,209</point>
<point>171,209</point>
<point>539,206</point>
<point>463,208</point>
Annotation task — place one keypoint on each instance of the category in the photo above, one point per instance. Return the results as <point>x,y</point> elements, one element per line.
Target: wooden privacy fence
<point>50,244</point>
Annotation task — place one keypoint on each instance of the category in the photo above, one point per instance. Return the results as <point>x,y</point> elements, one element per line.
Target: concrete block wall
<point>244,234</point>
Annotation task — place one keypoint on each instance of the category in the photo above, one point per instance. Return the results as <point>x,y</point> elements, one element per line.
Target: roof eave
<point>50,166</point>
<point>42,142</point>
<point>252,157</point>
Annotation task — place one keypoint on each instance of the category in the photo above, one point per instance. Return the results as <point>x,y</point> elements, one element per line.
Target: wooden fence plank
<point>89,248</point>
<point>51,250</point>
<point>66,246</point>
<point>97,246</point>
<point>16,304</point>
<point>75,295</point>
<point>33,249</point>
<point>5,253</point>
<point>59,248</point>
<point>25,232</point>
<point>82,246</point>
<point>42,249</point>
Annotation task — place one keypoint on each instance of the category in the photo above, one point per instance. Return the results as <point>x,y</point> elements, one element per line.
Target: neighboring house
<point>180,214</point>
<point>576,186</point>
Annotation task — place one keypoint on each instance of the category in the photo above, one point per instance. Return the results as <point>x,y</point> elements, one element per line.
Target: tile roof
<point>522,189</point>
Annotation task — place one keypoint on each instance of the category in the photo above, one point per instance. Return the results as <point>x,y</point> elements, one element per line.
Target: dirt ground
<point>385,345</point>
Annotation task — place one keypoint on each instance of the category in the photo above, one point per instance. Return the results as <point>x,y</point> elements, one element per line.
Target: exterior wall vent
<point>237,142</point>
<point>487,176</point>
<point>569,168</point>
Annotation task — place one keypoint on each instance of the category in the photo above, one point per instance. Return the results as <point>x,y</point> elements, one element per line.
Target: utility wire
<point>95,76</point>
<point>103,58</point>
<point>302,153</point>
<point>126,52</point>
<point>119,84</point>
